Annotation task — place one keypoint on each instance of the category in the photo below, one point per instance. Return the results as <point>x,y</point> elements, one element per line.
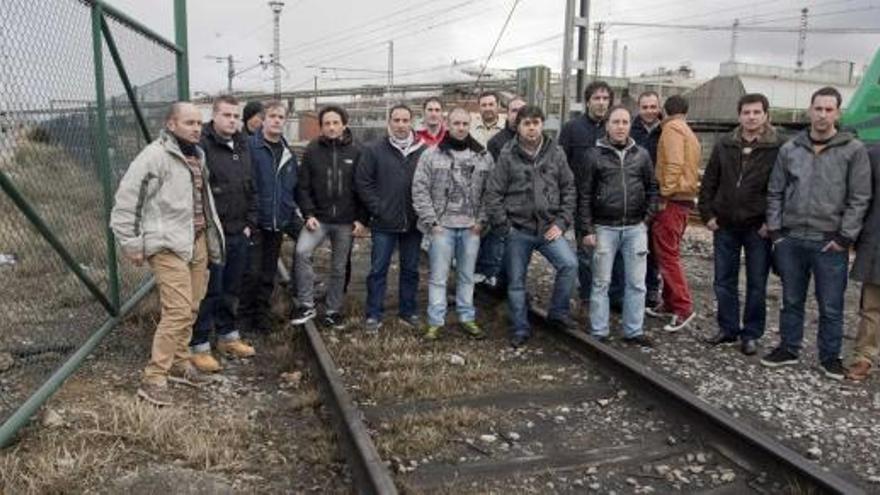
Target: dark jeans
<point>558,252</point>
<point>797,260</point>
<point>729,244</point>
<point>585,276</point>
<point>218,308</point>
<point>490,260</point>
<point>259,280</point>
<point>409,244</point>
<point>652,277</point>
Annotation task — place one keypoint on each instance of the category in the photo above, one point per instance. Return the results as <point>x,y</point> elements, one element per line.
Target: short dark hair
<point>827,91</point>
<point>645,94</point>
<point>675,104</point>
<point>335,109</point>
<point>429,100</point>
<point>529,112</point>
<point>752,98</point>
<point>596,86</point>
<point>400,106</point>
<point>227,99</point>
<point>487,94</point>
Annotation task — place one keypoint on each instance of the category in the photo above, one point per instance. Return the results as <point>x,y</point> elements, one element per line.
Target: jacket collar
<point>208,132</point>
<point>169,142</point>
<point>839,139</point>
<point>545,145</point>
<point>768,138</point>
<point>641,123</point>
<point>260,139</point>
<point>344,140</point>
<point>471,143</point>
<point>606,144</point>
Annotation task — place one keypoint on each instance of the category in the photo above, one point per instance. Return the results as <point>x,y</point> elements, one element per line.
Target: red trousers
<point>667,232</point>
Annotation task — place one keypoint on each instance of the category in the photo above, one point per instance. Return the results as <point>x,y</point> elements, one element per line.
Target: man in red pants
<point>678,164</point>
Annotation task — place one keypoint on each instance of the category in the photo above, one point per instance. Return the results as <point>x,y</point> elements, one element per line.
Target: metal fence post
<point>180,38</point>
<point>102,153</point>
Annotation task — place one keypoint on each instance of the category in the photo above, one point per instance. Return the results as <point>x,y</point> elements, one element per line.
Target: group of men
<point>218,200</point>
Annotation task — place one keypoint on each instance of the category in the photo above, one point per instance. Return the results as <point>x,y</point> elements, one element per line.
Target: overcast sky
<point>430,35</point>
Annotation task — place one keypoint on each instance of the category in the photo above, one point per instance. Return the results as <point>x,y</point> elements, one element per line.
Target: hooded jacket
<point>616,187</point>
<point>276,187</point>
<point>325,185</point>
<point>449,184</point>
<point>819,196</point>
<point>231,180</point>
<point>383,181</point>
<point>153,208</point>
<point>531,193</point>
<point>678,161</point>
<point>734,186</point>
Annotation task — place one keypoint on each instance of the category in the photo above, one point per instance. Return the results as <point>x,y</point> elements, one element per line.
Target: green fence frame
<point>115,308</point>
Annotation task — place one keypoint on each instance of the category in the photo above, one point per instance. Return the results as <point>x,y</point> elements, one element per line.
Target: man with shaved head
<point>164,214</point>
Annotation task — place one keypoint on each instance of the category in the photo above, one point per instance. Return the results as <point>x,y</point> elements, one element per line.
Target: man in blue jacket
<point>383,181</point>
<point>275,169</point>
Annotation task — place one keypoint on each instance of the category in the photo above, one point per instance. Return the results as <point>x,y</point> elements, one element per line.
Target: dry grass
<point>413,436</point>
<point>121,432</point>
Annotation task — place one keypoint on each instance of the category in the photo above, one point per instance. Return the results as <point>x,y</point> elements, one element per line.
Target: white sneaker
<point>677,322</point>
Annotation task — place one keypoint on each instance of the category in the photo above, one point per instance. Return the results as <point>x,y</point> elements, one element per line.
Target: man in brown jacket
<point>678,164</point>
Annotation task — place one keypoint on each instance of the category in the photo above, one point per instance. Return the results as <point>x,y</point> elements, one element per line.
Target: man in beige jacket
<point>164,214</point>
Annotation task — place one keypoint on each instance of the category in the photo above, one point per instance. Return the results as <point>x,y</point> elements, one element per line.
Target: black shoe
<point>519,340</point>
<point>411,321</point>
<point>833,368</point>
<point>749,347</point>
<point>721,338</point>
<point>603,339</point>
<point>779,357</point>
<point>639,340</point>
<point>302,314</point>
<point>563,322</point>
<point>333,320</point>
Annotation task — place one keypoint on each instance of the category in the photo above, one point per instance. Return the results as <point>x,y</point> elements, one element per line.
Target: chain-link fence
<point>81,91</point>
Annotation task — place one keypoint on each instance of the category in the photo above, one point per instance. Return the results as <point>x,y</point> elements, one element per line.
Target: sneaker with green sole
<point>432,332</point>
<point>473,330</point>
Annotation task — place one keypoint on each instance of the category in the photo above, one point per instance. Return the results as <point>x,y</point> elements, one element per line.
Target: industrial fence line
<point>83,88</point>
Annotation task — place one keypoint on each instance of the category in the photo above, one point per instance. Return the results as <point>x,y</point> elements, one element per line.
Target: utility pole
<point>581,23</point>
<point>597,56</point>
<point>614,58</point>
<point>230,73</point>
<point>625,57</point>
<point>390,74</point>
<point>802,40</point>
<point>734,35</point>
<point>276,7</point>
<point>316,94</point>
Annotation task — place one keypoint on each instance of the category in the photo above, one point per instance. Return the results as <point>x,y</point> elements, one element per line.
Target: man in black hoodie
<point>330,207</point>
<point>228,161</point>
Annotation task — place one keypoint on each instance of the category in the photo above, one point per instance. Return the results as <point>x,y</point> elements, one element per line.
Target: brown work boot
<point>205,362</point>
<point>187,374</point>
<point>154,393</point>
<point>858,371</point>
<point>236,348</point>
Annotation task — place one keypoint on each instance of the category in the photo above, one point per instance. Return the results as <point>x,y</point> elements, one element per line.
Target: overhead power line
<point>495,45</point>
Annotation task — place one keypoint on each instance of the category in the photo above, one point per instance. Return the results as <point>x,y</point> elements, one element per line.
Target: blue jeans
<point>729,243</point>
<point>558,252</point>
<point>796,260</point>
<point>218,309</point>
<point>630,242</point>
<point>462,245</point>
<point>490,260</point>
<point>585,274</point>
<point>380,259</point>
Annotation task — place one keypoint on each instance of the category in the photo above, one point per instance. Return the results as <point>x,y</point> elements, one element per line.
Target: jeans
<point>585,274</point>
<point>666,235</point>
<point>380,259</point>
<point>797,260</point>
<point>558,252</point>
<point>462,245</point>
<point>728,244</point>
<point>490,260</point>
<point>630,242</point>
<point>259,280</point>
<point>218,309</point>
<point>652,276</point>
<point>340,249</point>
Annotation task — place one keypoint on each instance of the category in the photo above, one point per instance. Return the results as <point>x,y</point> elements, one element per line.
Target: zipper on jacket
<point>622,155</point>
<point>275,189</point>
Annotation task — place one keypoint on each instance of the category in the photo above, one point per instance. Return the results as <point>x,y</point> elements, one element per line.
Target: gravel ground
<point>836,424</point>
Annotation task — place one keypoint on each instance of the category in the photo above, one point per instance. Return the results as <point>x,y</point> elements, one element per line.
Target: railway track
<point>565,415</point>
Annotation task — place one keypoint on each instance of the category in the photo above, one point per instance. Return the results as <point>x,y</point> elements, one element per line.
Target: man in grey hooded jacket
<point>818,194</point>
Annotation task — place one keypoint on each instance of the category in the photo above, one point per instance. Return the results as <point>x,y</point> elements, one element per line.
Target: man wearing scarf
<point>447,194</point>
<point>383,181</point>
